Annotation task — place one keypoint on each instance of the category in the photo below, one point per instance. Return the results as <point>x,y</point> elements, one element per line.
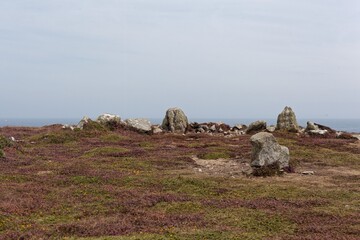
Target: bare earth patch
<point>221,167</point>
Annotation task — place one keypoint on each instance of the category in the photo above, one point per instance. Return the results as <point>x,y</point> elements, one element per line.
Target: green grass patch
<point>191,186</point>
<point>326,156</point>
<point>252,223</point>
<point>179,207</point>
<point>14,178</point>
<point>113,138</point>
<point>4,222</point>
<point>147,145</point>
<point>4,142</point>
<point>79,180</point>
<point>105,151</point>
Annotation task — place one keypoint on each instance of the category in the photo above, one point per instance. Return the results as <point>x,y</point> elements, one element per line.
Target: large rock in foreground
<point>287,121</point>
<point>267,153</point>
<point>139,124</point>
<point>175,120</point>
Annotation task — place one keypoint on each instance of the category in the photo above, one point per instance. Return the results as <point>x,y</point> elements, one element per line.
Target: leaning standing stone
<point>287,121</point>
<point>175,120</point>
<point>266,152</point>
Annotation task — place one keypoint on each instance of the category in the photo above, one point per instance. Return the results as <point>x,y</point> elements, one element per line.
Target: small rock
<point>344,135</point>
<point>270,129</point>
<point>308,173</point>
<point>318,132</point>
<point>356,136</point>
<point>156,129</point>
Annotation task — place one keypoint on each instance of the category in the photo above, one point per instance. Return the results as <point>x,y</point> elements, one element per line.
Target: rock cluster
<point>107,118</point>
<point>318,129</point>
<point>175,120</point>
<point>286,121</point>
<point>267,153</point>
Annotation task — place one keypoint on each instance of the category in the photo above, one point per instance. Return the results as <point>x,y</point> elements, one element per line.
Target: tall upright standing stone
<point>287,121</point>
<point>175,120</point>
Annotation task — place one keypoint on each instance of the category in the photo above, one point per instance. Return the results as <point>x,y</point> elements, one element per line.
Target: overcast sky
<point>212,58</point>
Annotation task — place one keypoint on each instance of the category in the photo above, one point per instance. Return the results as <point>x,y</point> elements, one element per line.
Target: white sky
<point>212,58</point>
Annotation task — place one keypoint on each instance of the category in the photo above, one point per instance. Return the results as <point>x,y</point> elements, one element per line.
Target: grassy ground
<point>100,184</point>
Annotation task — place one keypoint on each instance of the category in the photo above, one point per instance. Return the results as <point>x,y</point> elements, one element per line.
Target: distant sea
<point>348,125</point>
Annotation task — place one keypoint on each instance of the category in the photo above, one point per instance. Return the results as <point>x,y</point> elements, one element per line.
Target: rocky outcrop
<point>316,129</point>
<point>175,120</point>
<point>108,118</point>
<point>267,153</point>
<point>85,120</point>
<point>110,121</point>
<point>139,124</point>
<point>256,127</point>
<point>345,135</point>
<point>286,121</point>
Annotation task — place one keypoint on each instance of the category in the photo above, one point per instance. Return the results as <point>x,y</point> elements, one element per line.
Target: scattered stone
<point>318,132</point>
<point>67,126</point>
<point>175,120</point>
<point>44,173</point>
<point>213,128</point>
<point>356,136</point>
<point>139,124</point>
<point>12,139</point>
<point>308,173</point>
<point>156,129</point>
<point>239,127</point>
<point>256,127</point>
<point>270,129</point>
<point>344,135</point>
<point>316,129</point>
<point>286,121</point>
<point>85,120</point>
<point>267,154</point>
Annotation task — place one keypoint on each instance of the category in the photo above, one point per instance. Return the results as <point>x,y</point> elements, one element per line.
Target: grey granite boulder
<point>85,120</point>
<point>175,120</point>
<point>256,127</point>
<point>139,124</point>
<point>267,152</point>
<point>108,118</point>
<point>287,121</point>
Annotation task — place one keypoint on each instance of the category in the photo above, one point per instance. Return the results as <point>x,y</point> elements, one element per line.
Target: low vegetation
<point>111,183</point>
